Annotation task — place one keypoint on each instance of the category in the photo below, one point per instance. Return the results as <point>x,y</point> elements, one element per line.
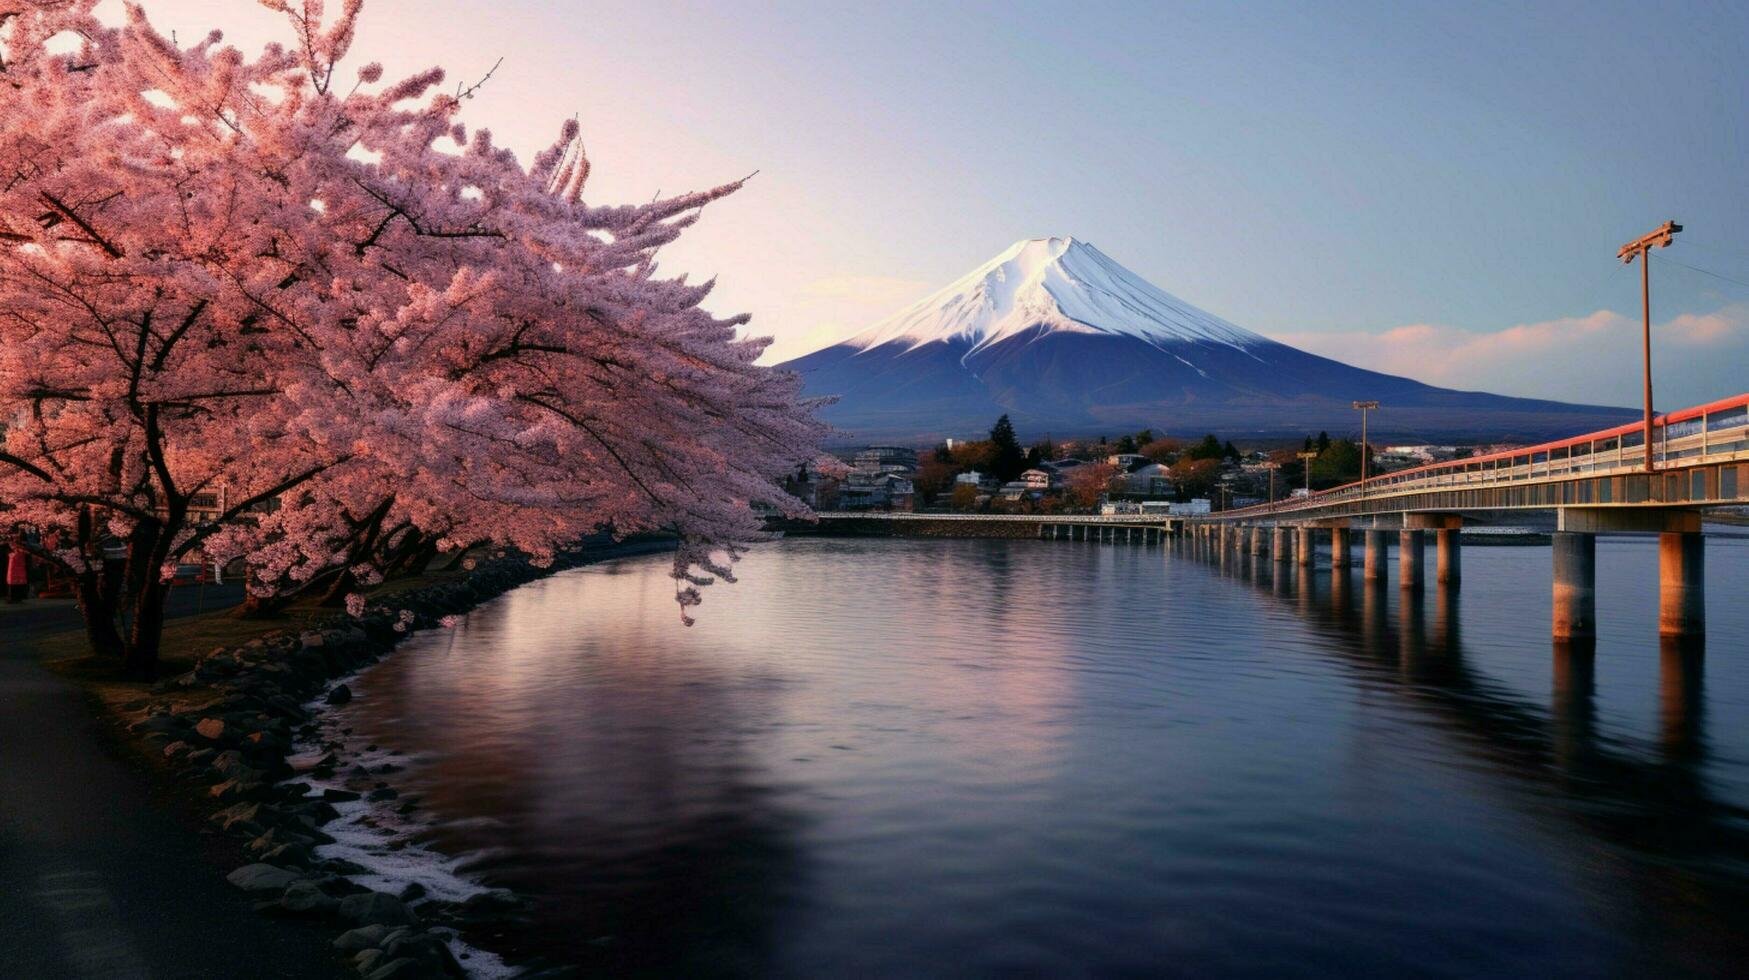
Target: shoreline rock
<point>238,745</point>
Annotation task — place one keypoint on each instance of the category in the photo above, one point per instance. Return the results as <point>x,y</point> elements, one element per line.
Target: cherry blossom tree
<point>251,307</point>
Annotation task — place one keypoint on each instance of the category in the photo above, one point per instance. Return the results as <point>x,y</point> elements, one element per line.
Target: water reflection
<point>1656,820</point>
<point>885,758</point>
<point>1681,706</point>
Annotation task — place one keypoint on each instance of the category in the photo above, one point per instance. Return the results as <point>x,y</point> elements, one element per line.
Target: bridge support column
<point>1339,557</point>
<point>1681,584</point>
<point>1376,554</point>
<point>1575,593</point>
<point>1410,549</point>
<point>1278,546</point>
<point>1450,557</point>
<point>1445,528</point>
<point>1257,542</point>
<point>1303,549</point>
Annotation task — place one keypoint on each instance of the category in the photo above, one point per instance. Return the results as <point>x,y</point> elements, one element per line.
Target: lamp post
<point>1641,247</point>
<point>1306,461</point>
<point>1272,466</point>
<point>1365,449</point>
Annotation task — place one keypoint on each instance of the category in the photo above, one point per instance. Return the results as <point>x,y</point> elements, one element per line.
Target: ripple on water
<point>927,758</point>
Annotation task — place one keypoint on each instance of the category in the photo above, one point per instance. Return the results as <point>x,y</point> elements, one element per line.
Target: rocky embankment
<point>230,728</point>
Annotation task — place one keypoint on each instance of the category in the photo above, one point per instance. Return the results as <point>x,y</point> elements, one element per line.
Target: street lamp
<point>1272,466</point>
<point>1365,449</point>
<point>1642,247</point>
<point>1306,461</point>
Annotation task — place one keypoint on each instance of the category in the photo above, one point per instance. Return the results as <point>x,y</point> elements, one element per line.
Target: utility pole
<point>1306,461</point>
<point>1365,448</point>
<point>1642,248</point>
<point>1272,466</point>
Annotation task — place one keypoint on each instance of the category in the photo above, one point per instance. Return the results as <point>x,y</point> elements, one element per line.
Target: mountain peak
<point>1056,285</point>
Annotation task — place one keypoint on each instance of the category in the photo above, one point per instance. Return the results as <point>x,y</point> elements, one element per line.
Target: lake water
<point>900,758</point>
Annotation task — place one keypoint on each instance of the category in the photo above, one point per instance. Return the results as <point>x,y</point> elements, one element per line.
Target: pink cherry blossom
<point>251,310</point>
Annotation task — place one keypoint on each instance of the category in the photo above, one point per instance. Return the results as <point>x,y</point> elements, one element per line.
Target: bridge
<point>1598,482</point>
<point>1135,529</point>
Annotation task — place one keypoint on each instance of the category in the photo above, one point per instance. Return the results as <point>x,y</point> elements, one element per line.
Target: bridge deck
<point>1701,457</point>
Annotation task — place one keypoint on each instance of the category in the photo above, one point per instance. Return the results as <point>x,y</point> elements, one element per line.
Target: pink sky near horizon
<point>839,228</point>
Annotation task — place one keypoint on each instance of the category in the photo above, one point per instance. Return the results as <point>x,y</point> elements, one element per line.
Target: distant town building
<point>885,459</point>
<point>1189,508</point>
<point>1419,454</point>
<point>971,478</point>
<point>1149,480</point>
<point>1038,479</point>
<point>885,491</point>
<point>1126,461</point>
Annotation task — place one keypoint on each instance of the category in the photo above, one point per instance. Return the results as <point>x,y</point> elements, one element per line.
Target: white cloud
<point>1594,358</point>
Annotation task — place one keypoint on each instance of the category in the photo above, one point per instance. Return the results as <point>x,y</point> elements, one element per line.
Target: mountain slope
<point>1068,342</point>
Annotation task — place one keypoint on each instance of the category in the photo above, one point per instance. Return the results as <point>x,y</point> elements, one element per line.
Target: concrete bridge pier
<point>1278,543</point>
<point>1681,558</point>
<point>1410,549</point>
<point>1376,554</point>
<point>1303,548</point>
<point>1450,557</point>
<point>1445,528</point>
<point>1575,592</point>
<point>1258,543</point>
<point>1681,584</point>
<point>1339,556</point>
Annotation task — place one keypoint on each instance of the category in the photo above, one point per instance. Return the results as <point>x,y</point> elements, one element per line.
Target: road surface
<point>101,873</point>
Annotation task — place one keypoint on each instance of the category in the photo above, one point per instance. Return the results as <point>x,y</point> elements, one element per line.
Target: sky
<point>1434,189</point>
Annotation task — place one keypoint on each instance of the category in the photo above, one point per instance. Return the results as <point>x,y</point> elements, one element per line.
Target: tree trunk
<point>421,559</point>
<point>364,540</point>
<point>261,606</point>
<point>148,635</point>
<point>344,583</point>
<point>456,562</point>
<point>98,613</point>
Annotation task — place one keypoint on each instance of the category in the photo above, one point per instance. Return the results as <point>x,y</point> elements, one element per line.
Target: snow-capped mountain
<point>1066,341</point>
<point>1050,285</point>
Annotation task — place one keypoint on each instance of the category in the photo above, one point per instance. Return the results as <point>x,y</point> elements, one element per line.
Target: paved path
<point>100,876</point>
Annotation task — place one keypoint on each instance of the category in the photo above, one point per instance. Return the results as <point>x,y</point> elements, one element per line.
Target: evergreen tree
<point>1009,459</point>
<point>1126,444</point>
<point>1208,448</point>
<point>1323,441</point>
<point>1231,452</point>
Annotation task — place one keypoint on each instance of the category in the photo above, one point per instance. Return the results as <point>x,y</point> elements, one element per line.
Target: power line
<point>1718,249</point>
<point>1704,272</point>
